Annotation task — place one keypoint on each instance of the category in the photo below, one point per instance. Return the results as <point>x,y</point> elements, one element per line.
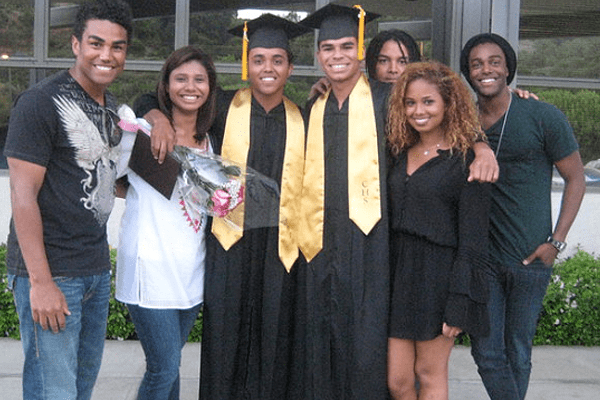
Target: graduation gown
<point>248,293</point>
<point>343,293</point>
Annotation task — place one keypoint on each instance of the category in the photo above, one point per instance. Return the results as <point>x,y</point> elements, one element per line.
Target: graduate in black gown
<point>249,289</point>
<point>343,291</point>
<point>250,280</point>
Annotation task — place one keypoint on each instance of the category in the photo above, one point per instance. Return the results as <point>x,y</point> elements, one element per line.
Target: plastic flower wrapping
<point>217,187</point>
<point>211,185</point>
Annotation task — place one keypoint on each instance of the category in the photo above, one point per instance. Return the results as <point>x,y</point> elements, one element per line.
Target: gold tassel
<point>361,33</point>
<point>245,53</point>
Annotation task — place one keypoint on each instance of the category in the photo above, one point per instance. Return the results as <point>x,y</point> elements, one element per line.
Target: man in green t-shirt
<point>529,138</point>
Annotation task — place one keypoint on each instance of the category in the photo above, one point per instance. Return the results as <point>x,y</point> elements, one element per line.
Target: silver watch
<point>560,246</point>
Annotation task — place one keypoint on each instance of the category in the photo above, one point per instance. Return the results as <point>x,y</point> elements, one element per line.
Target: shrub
<point>571,310</point>
<point>582,109</point>
<point>9,321</point>
<point>571,313</point>
<point>119,326</point>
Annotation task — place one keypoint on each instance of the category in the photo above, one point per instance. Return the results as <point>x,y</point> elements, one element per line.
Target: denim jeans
<point>64,365</point>
<point>162,333</point>
<point>515,300</point>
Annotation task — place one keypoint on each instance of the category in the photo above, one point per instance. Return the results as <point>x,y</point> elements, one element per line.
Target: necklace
<point>503,126</point>
<point>427,151</point>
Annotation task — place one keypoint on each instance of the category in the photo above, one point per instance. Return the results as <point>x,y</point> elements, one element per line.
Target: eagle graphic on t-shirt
<point>94,155</point>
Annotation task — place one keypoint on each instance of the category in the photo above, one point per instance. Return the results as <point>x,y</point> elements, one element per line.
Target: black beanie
<point>509,54</point>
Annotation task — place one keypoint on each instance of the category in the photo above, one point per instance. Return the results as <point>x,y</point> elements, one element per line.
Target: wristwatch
<point>560,246</point>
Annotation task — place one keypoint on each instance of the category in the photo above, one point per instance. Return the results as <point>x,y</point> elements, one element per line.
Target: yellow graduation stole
<point>236,143</point>
<point>363,169</point>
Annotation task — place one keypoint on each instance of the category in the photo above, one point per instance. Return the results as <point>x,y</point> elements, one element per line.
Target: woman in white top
<point>160,262</point>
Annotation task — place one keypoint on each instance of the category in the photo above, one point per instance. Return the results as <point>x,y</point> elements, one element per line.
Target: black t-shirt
<point>57,125</point>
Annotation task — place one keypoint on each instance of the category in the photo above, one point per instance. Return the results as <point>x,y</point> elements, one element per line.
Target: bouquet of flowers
<point>211,185</point>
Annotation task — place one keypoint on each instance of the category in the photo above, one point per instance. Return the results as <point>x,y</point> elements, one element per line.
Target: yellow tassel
<point>245,53</point>
<point>361,33</point>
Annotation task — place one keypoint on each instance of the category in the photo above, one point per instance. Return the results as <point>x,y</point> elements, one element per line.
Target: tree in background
<point>16,27</point>
<point>560,57</point>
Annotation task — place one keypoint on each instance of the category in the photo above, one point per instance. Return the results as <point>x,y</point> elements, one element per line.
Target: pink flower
<point>221,201</point>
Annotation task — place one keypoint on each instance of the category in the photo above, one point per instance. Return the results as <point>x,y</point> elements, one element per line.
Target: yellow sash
<point>291,185</point>
<point>236,143</point>
<point>363,158</point>
<point>363,169</point>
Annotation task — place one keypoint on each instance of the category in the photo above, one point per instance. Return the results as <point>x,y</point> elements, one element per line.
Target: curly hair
<point>206,113</point>
<point>396,35</point>
<point>116,11</point>
<point>461,122</point>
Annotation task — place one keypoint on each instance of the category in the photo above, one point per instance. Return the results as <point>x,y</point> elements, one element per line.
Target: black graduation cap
<point>270,31</point>
<point>335,22</point>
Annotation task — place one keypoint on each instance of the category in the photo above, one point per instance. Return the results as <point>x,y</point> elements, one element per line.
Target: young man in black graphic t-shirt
<point>62,150</point>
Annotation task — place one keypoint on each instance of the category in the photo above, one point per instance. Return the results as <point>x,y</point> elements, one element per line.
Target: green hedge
<point>9,322</point>
<point>571,314</point>
<point>582,109</point>
<point>119,327</point>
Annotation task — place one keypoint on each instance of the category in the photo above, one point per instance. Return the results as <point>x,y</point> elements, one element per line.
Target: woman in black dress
<point>438,228</point>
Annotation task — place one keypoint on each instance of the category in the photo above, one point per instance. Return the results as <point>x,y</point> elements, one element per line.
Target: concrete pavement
<point>565,373</point>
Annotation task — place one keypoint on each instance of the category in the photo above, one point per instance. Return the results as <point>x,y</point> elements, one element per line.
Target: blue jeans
<point>515,300</point>
<point>162,333</point>
<point>64,365</point>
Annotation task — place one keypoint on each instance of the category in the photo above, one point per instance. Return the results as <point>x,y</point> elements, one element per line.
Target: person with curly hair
<point>62,149</point>
<point>438,228</point>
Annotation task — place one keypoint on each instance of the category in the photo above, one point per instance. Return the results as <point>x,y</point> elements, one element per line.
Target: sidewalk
<point>565,373</point>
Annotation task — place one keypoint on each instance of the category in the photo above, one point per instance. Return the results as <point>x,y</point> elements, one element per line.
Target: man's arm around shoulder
<point>48,304</point>
<point>162,139</point>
